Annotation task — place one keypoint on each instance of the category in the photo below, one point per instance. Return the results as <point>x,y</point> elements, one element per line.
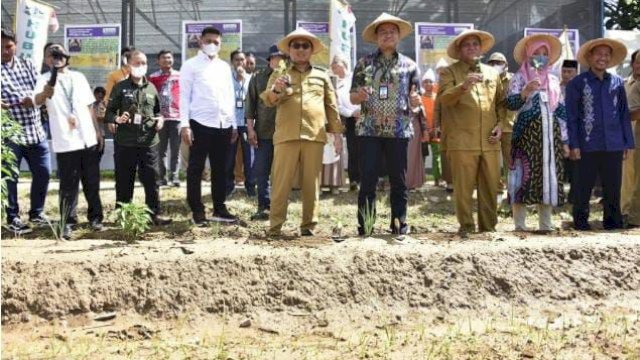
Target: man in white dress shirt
<point>76,137</point>
<point>207,115</point>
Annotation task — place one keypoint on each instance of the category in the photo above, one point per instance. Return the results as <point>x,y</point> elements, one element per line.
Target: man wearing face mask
<point>135,107</point>
<point>76,137</point>
<point>499,62</point>
<point>207,116</point>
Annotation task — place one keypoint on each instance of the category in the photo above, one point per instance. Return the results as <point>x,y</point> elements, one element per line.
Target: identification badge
<point>239,103</point>
<point>137,119</point>
<point>383,92</point>
<point>544,97</point>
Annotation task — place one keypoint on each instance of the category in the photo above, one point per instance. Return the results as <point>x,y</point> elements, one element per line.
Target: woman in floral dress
<point>540,137</point>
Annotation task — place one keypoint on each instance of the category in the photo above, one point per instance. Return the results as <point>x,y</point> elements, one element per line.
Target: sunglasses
<point>297,45</point>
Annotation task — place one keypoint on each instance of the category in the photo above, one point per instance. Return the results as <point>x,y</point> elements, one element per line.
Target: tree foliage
<point>622,14</point>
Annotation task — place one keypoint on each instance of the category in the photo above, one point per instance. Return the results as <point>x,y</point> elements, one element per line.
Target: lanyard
<point>240,91</point>
<point>68,93</point>
<point>386,67</point>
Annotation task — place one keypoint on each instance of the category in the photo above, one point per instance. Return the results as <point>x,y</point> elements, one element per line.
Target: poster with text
<point>431,41</point>
<point>94,50</point>
<point>321,30</point>
<point>231,37</point>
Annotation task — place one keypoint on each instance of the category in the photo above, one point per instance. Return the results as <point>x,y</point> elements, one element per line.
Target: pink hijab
<point>529,73</point>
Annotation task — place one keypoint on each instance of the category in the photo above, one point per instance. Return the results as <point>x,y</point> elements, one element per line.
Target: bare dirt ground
<point>228,292</point>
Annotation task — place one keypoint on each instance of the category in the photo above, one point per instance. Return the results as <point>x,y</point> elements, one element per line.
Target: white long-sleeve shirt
<point>206,92</point>
<point>345,107</point>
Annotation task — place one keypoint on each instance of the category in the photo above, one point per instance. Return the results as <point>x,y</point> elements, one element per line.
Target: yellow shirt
<point>310,112</point>
<point>469,116</point>
<point>113,78</point>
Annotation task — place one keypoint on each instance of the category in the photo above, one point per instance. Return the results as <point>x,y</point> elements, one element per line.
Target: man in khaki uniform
<point>630,196</point>
<point>499,62</point>
<point>470,95</point>
<point>306,110</point>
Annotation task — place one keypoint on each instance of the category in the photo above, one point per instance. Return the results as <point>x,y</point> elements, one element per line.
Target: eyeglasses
<point>297,45</point>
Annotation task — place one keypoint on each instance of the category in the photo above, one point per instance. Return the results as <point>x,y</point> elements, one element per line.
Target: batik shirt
<point>597,113</point>
<point>388,117</point>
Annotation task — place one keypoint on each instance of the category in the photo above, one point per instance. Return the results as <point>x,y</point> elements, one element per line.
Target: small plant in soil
<point>133,220</point>
<point>369,216</point>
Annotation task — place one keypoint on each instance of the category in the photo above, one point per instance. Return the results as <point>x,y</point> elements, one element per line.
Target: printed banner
<point>431,41</point>
<point>32,26</point>
<point>631,38</point>
<point>94,50</point>
<point>321,30</point>
<point>231,37</point>
<point>342,34</point>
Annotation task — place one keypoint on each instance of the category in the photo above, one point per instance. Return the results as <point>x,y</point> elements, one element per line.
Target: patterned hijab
<point>529,73</point>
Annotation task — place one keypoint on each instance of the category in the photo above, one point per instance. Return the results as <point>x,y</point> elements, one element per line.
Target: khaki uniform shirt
<point>310,112</point>
<point>470,115</point>
<point>507,116</point>
<point>632,88</point>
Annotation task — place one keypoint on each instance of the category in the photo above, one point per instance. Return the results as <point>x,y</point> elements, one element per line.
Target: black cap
<point>274,51</point>
<point>571,64</point>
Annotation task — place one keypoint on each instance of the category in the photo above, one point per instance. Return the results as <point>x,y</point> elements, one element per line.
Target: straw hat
<point>486,42</point>
<point>369,33</point>
<point>618,54</point>
<point>300,33</point>
<point>555,47</point>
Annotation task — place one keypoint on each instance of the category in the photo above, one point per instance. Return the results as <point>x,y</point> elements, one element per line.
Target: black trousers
<point>395,152</point>
<point>74,167</point>
<point>607,165</point>
<point>214,143</point>
<point>353,166</point>
<point>142,160</point>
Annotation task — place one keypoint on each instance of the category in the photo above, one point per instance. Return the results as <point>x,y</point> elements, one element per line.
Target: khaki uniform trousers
<point>473,168</point>
<point>505,144</point>
<point>634,197</point>
<point>629,174</point>
<point>288,158</point>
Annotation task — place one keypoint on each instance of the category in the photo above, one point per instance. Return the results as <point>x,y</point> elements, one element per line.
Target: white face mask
<point>499,68</point>
<point>211,49</point>
<point>139,71</point>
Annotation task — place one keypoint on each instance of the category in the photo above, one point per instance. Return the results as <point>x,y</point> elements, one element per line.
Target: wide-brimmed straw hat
<point>369,33</point>
<point>486,42</point>
<point>300,33</point>
<point>618,51</point>
<point>555,47</point>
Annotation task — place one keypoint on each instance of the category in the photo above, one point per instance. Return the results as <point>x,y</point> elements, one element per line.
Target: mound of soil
<point>164,279</point>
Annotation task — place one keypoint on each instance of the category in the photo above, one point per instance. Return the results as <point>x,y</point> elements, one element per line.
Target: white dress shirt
<point>206,92</point>
<point>345,107</point>
<point>72,96</point>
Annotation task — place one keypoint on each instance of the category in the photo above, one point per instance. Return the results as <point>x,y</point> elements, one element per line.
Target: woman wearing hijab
<point>540,137</point>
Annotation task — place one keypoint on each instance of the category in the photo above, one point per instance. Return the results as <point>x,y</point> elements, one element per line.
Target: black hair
<point>210,30</point>
<point>126,49</point>
<point>163,52</point>
<point>634,56</point>
<point>100,89</point>
<point>236,52</point>
<point>8,34</point>
<point>250,54</point>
